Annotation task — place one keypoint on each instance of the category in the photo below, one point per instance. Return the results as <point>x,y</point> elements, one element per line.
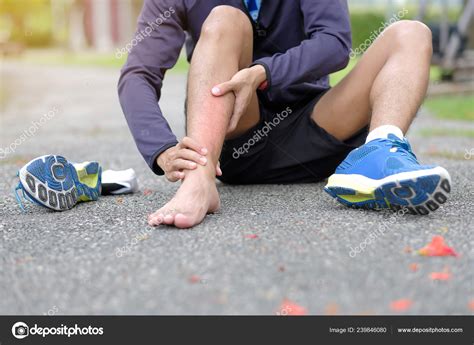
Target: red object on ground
<point>414,267</point>
<point>251,236</point>
<point>444,275</point>
<point>194,279</point>
<point>471,304</point>
<point>147,192</point>
<point>437,247</point>
<point>331,309</point>
<point>401,304</point>
<point>288,308</point>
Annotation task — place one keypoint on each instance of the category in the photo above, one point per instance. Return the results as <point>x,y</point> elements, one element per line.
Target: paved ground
<point>67,263</point>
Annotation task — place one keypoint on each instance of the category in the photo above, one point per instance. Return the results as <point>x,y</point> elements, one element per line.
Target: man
<point>258,99</point>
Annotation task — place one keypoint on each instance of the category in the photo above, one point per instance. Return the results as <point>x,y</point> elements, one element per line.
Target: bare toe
<point>196,197</point>
<point>182,221</point>
<point>155,219</point>
<point>168,219</point>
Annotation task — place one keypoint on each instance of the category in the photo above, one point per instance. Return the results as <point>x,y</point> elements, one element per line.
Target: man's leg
<point>225,47</point>
<point>386,87</point>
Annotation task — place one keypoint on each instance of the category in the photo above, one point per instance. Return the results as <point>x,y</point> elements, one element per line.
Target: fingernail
<point>203,160</point>
<point>215,90</point>
<point>193,165</point>
<point>204,151</point>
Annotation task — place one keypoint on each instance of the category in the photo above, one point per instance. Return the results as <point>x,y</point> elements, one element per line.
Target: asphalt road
<point>267,243</point>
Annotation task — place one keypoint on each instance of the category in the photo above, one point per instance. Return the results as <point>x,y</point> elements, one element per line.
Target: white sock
<point>382,132</point>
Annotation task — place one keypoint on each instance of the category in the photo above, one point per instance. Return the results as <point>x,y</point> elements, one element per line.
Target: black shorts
<point>286,146</point>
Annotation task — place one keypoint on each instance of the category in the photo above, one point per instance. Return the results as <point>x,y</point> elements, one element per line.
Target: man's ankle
<point>203,171</point>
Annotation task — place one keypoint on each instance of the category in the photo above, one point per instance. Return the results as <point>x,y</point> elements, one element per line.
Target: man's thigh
<point>346,109</point>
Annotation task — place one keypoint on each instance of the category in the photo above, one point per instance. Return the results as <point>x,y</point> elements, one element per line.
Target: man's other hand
<point>186,155</point>
<point>243,84</point>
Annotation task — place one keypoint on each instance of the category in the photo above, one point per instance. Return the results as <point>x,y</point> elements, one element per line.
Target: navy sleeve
<point>154,49</point>
<point>326,49</point>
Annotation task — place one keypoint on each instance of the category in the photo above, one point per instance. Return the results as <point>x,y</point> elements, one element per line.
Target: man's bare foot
<point>196,197</point>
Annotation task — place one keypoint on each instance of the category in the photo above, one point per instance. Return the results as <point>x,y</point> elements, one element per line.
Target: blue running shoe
<point>384,173</point>
<point>53,182</point>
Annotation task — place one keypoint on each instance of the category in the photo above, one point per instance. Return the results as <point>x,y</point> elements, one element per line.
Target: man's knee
<point>411,33</point>
<point>224,21</point>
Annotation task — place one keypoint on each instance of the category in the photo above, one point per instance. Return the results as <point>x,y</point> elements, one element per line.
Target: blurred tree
<point>76,15</point>
<point>20,11</point>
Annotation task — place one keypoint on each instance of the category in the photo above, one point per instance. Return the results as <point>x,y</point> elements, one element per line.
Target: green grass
<point>459,107</point>
<point>446,132</point>
<point>335,78</point>
<point>181,66</point>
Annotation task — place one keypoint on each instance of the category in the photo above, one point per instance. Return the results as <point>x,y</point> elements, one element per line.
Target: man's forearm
<point>149,128</point>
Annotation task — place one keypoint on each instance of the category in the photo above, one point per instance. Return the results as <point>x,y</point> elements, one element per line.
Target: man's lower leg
<point>400,87</point>
<point>385,172</point>
<point>216,59</point>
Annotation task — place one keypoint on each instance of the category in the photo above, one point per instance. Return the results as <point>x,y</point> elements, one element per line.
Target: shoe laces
<point>403,148</point>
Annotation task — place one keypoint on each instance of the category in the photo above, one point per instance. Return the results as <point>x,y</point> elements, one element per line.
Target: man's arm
<point>155,48</point>
<point>326,50</point>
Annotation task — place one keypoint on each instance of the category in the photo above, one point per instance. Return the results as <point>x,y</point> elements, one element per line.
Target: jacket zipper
<point>255,23</point>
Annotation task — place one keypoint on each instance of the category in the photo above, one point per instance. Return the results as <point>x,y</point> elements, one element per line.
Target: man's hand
<point>244,83</point>
<point>186,155</point>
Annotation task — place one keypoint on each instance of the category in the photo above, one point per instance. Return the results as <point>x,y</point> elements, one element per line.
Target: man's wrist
<point>259,75</point>
<point>160,160</point>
